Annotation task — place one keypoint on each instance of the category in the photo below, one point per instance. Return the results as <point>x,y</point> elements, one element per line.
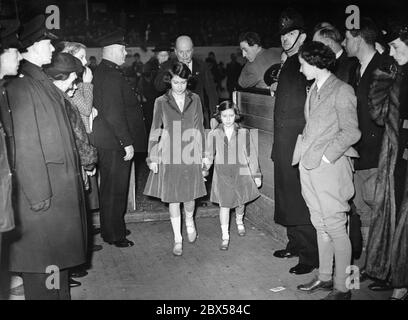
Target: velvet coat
<point>235,167</point>
<point>47,167</point>
<point>201,83</point>
<point>387,246</point>
<point>176,143</point>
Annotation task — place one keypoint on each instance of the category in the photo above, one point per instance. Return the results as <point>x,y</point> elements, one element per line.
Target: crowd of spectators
<point>206,27</point>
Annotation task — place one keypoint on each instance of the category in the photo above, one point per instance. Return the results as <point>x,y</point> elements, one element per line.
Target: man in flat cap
<point>50,234</point>
<point>118,133</point>
<point>201,82</point>
<point>290,207</point>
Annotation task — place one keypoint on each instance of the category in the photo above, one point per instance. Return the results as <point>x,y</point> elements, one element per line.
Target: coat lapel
<point>324,92</point>
<point>187,102</point>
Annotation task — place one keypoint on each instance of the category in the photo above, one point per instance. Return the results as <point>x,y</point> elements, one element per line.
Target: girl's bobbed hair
<point>225,105</point>
<point>317,54</point>
<point>177,69</point>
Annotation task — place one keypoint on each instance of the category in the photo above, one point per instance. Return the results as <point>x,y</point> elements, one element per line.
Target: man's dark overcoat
<point>289,121</point>
<point>47,167</point>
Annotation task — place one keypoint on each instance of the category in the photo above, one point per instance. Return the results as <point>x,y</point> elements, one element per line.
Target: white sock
<point>190,221</point>
<point>176,225</point>
<point>225,232</point>
<point>239,215</point>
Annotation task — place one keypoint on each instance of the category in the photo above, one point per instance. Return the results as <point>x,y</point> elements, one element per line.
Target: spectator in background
<point>9,62</point>
<point>233,71</point>
<point>48,174</point>
<point>387,248</point>
<point>137,68</point>
<point>259,60</point>
<point>118,133</point>
<point>332,38</point>
<point>289,120</point>
<point>146,84</point>
<point>361,44</point>
<point>93,63</point>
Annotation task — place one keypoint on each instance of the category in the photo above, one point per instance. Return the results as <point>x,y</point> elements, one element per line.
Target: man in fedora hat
<point>9,62</point>
<point>290,208</point>
<point>50,231</point>
<point>146,85</point>
<point>118,133</point>
<point>258,60</point>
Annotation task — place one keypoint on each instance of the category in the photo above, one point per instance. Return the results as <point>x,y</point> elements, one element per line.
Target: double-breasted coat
<point>235,167</point>
<point>47,167</point>
<point>120,116</point>
<point>176,144</point>
<point>289,121</point>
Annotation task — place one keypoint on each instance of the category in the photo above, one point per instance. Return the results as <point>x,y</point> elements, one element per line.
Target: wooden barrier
<point>257,109</point>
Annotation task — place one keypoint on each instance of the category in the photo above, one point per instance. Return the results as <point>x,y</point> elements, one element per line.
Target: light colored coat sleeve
<point>348,134</point>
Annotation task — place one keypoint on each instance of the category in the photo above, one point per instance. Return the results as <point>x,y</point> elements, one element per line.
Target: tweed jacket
<point>331,124</point>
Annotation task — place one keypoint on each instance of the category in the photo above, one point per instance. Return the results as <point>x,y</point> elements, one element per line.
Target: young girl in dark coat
<point>236,176</point>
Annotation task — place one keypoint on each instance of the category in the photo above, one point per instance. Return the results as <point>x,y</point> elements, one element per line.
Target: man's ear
<point>303,37</point>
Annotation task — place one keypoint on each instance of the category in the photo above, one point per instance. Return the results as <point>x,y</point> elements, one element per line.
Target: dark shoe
<point>284,254</point>
<point>224,245</point>
<point>316,285</point>
<point>301,268</point>
<point>363,276</point>
<point>73,283</point>
<point>379,286</point>
<point>338,295</point>
<point>122,243</point>
<point>96,247</point>
<point>78,273</point>
<point>96,231</point>
<point>128,232</point>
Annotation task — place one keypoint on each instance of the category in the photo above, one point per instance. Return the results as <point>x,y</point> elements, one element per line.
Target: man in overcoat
<point>118,133</point>
<point>290,208</point>
<point>50,234</point>
<point>202,82</point>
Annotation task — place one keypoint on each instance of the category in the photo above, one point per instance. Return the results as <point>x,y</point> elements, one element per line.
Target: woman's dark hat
<point>35,31</point>
<point>272,73</point>
<point>397,31</point>
<point>63,63</point>
<point>9,34</point>
<point>290,20</point>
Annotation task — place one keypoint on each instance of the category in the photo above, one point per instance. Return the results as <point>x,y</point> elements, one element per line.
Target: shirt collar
<point>338,54</point>
<point>321,81</point>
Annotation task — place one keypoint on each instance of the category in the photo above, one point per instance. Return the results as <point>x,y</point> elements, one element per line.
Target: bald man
<point>202,82</point>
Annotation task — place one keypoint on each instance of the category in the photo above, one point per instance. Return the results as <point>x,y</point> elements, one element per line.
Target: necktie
<point>312,99</point>
<point>358,75</point>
